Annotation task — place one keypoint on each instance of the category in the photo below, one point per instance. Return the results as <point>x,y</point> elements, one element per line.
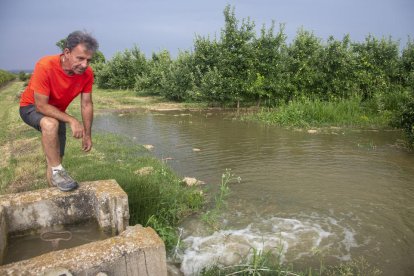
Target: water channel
<point>336,195</point>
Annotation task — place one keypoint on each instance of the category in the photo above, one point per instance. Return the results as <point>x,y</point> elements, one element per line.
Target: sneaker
<point>63,181</point>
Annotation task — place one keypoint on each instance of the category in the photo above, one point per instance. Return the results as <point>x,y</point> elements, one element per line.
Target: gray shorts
<point>31,117</point>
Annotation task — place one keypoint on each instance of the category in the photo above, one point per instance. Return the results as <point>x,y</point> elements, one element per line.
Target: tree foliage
<point>122,70</point>
<point>270,68</point>
<point>152,81</point>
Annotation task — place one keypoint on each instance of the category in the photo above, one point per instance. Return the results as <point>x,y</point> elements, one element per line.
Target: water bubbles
<point>289,238</point>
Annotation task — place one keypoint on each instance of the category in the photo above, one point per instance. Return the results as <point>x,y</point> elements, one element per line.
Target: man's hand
<point>77,128</point>
<point>86,143</point>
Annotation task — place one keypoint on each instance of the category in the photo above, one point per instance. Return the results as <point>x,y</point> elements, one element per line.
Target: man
<point>55,82</point>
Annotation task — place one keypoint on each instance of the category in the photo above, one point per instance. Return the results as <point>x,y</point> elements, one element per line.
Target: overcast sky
<point>29,29</point>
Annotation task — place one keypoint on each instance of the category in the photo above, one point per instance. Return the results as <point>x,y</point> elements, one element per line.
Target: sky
<point>29,29</point>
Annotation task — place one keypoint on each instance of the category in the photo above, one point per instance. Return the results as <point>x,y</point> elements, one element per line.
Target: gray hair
<point>81,37</point>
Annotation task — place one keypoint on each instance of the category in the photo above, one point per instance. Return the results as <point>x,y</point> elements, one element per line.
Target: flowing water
<point>335,195</point>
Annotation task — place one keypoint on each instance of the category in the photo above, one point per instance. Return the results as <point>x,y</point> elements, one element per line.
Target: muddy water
<point>335,195</point>
<point>26,246</point>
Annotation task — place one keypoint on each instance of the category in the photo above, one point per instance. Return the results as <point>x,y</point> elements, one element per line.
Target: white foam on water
<point>291,238</point>
<point>226,247</point>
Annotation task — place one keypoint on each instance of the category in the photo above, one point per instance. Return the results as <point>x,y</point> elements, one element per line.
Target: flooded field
<point>336,195</point>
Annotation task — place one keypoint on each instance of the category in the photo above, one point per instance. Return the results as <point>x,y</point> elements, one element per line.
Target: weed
<point>211,216</point>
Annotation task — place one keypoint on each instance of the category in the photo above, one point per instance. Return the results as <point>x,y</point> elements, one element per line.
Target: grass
<point>308,113</point>
<point>156,196</point>
<point>20,168</point>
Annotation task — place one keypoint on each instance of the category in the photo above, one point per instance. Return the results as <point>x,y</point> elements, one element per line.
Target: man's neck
<point>64,66</point>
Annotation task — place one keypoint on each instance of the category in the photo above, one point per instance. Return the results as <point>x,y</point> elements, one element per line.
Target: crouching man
<point>55,82</point>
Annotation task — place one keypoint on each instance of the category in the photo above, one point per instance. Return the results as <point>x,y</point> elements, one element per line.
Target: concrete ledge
<point>135,252</point>
<point>103,200</point>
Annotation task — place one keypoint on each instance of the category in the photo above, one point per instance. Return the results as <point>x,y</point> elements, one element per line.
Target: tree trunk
<point>259,102</point>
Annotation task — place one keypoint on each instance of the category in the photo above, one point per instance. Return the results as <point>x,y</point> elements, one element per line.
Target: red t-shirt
<point>50,80</point>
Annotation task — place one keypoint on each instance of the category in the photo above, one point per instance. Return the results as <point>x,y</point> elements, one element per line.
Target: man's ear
<point>66,52</point>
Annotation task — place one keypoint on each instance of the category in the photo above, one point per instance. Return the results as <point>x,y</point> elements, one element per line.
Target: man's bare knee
<point>49,124</point>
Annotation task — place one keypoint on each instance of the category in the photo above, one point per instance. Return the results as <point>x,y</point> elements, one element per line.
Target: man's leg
<point>53,142</point>
<point>50,143</point>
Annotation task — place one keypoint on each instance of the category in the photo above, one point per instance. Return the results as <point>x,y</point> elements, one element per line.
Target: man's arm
<point>87,117</point>
<point>43,106</point>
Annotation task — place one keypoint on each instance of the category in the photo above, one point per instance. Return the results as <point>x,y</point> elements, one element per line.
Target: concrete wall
<point>103,200</point>
<point>137,251</point>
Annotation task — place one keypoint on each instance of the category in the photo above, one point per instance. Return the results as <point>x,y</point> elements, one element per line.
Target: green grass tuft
<point>308,113</point>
